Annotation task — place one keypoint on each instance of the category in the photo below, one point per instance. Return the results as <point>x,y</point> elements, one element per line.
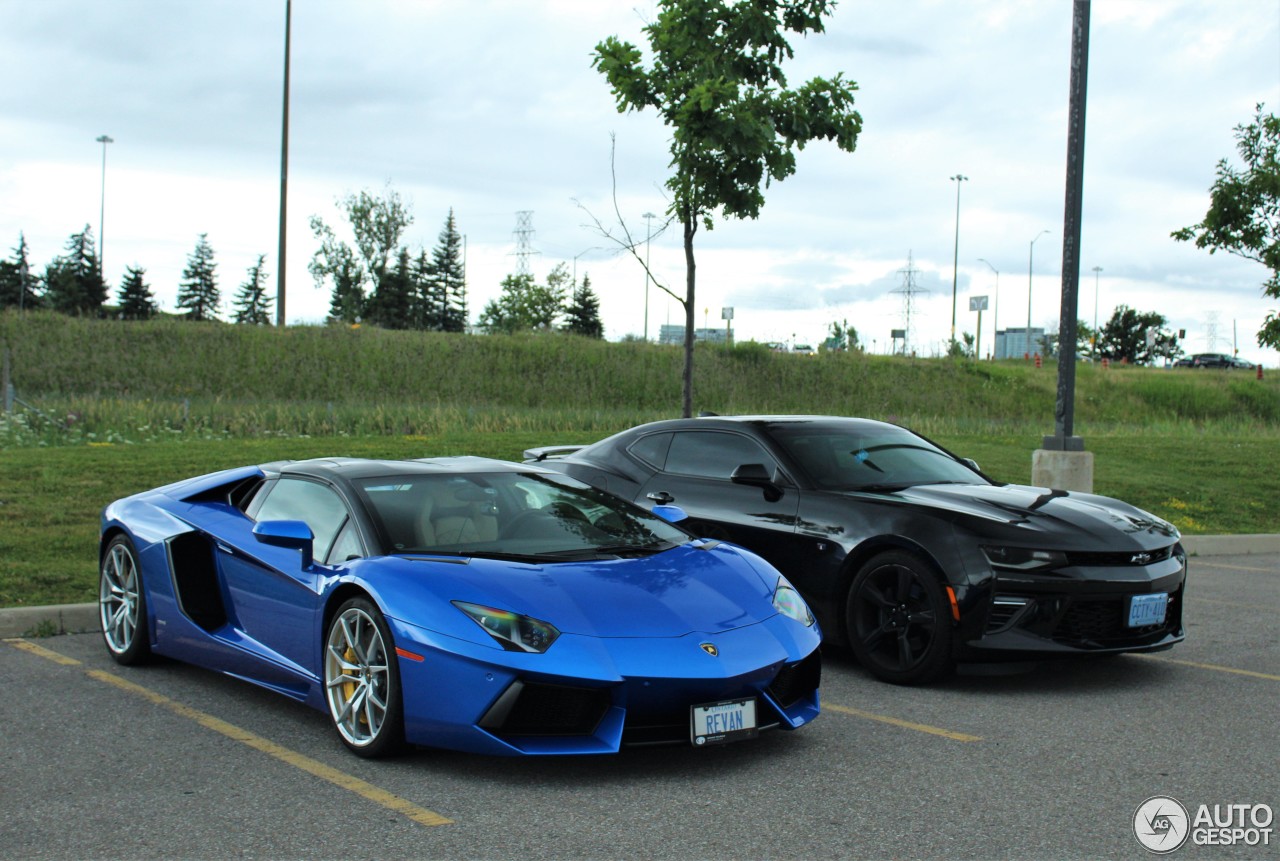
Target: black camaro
<point>907,553</point>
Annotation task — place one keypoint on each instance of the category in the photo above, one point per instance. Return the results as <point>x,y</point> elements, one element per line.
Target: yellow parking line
<point>1231,603</point>
<point>1217,668</point>
<point>905,724</point>
<point>366,790</point>
<point>1206,564</point>
<point>28,646</point>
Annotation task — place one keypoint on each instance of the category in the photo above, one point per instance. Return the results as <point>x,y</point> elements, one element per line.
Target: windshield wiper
<point>620,550</point>
<point>886,487</point>
<point>461,556</point>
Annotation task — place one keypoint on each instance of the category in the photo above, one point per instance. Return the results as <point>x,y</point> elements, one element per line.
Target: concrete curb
<point>81,618</point>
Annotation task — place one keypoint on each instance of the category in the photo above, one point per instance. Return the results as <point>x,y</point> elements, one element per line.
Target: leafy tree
<point>1139,338</point>
<point>582,317</point>
<point>525,304</point>
<point>252,303</point>
<point>717,82</point>
<point>19,286</point>
<point>1244,210</point>
<point>337,261</point>
<point>198,292</point>
<point>377,224</point>
<point>842,336</point>
<point>135,298</point>
<point>73,282</point>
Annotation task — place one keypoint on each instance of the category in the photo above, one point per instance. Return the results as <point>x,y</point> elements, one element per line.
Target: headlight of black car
<point>787,601</point>
<point>515,633</point>
<point>1024,559</point>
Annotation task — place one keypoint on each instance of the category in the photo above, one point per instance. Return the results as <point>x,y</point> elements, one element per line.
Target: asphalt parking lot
<point>171,761</point>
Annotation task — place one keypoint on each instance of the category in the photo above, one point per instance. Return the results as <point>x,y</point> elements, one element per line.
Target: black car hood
<point>1063,518</point>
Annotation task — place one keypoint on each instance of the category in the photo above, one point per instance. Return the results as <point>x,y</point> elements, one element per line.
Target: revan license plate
<point>718,723</point>
<point>1148,609</point>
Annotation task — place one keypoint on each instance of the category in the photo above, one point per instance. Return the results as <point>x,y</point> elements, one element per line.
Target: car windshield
<point>870,457</point>
<point>510,515</point>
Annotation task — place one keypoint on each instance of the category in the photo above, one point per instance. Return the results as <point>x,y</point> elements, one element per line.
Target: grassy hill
<point>166,377</point>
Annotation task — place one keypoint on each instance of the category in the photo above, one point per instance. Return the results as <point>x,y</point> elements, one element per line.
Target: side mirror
<point>971,463</point>
<point>671,513</point>
<point>290,534</point>
<point>756,475</point>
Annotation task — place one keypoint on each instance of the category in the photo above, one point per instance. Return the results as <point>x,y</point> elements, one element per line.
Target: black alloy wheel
<point>898,620</point>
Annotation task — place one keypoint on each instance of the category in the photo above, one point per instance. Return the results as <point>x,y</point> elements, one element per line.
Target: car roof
<point>762,421</point>
<point>349,468</point>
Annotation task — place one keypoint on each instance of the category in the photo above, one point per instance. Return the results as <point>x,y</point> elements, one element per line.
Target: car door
<point>273,598</point>
<point>695,474</point>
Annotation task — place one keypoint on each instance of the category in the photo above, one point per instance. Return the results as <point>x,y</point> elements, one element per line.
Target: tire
<point>362,680</point>
<point>122,603</point>
<point>898,620</point>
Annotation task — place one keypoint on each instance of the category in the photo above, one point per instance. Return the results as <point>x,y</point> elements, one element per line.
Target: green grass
<point>114,408</point>
<point>50,498</point>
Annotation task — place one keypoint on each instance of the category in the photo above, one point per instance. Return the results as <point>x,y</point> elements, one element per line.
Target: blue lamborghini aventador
<point>461,603</point>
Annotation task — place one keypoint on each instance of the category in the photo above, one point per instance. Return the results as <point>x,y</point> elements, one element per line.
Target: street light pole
<point>281,254</point>
<point>648,217</point>
<point>955,260</point>
<point>995,313</point>
<point>1030,257</point>
<point>1096,270</point>
<point>102,209</point>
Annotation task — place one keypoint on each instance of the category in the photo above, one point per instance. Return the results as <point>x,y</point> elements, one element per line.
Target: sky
<point>489,108</point>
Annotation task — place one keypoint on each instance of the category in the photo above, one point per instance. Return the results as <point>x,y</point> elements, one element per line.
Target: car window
<point>346,546</point>
<point>714,454</point>
<point>839,459</point>
<point>314,504</point>
<point>652,449</point>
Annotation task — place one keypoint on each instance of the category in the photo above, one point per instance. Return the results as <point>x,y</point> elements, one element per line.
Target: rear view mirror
<point>294,534</point>
<point>757,475</point>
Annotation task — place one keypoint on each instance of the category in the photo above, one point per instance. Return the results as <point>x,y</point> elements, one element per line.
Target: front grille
<point>1102,622</point>
<point>796,681</point>
<point>528,708</point>
<point>1120,560</point>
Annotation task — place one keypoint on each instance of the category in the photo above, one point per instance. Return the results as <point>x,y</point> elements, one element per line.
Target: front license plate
<point>717,723</point>
<point>1148,609</point>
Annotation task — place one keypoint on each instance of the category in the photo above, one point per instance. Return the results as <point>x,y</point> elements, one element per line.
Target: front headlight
<point>1024,559</point>
<point>514,632</point>
<point>787,601</point>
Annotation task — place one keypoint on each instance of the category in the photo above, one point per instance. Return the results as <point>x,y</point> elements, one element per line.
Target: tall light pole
<point>648,217</point>
<point>1096,270</point>
<point>284,170</point>
<point>1031,256</point>
<point>102,208</point>
<point>955,260</point>
<point>995,313</point>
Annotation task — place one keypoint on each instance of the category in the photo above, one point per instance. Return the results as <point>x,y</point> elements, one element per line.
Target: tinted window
<point>652,449</point>
<point>852,458</point>
<point>713,454</point>
<point>314,504</point>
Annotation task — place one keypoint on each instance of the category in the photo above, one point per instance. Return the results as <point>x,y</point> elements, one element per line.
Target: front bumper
<point>590,695</point>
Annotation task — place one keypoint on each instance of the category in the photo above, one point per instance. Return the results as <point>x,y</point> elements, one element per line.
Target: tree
<point>1139,338</point>
<point>252,303</point>
<point>446,278</point>
<point>377,223</point>
<point>136,300</point>
<point>198,293</point>
<point>73,282</point>
<point>392,304</point>
<point>1244,210</point>
<point>582,317</point>
<point>717,82</point>
<point>19,286</point>
<point>525,304</point>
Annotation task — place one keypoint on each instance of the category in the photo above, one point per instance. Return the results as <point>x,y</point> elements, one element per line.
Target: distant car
<point>804,349</point>
<point>461,603</point>
<point>908,554</point>
<point>1219,360</point>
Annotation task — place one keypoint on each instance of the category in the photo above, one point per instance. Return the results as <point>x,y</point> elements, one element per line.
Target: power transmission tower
<point>1211,329</point>
<point>909,291</point>
<point>524,241</point>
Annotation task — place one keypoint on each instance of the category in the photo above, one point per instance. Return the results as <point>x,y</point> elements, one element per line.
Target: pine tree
<point>137,302</point>
<point>424,304</point>
<point>19,286</point>
<point>449,279</point>
<point>73,281</point>
<point>391,305</point>
<point>253,305</point>
<point>582,317</point>
<point>198,293</point>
